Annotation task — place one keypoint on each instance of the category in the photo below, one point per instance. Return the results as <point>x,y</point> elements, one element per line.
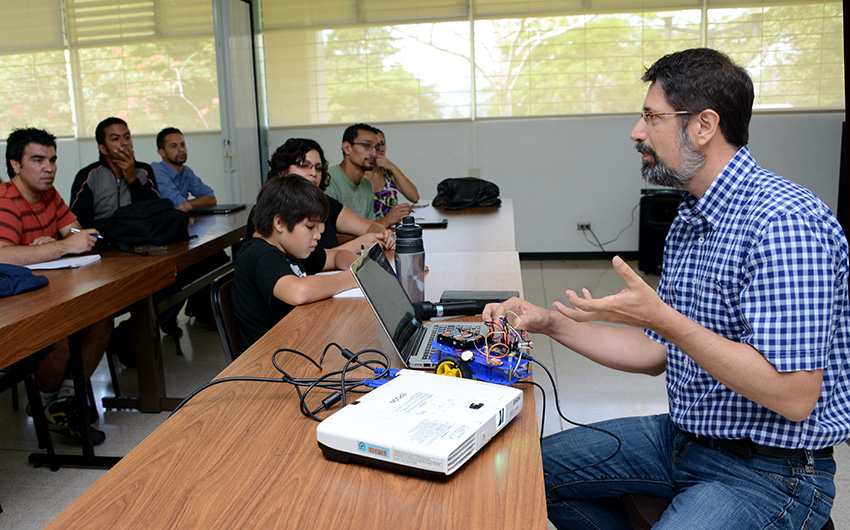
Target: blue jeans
<point>710,488</point>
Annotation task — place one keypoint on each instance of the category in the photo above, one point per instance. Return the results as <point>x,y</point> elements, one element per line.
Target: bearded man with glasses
<point>749,322</point>
<point>347,183</point>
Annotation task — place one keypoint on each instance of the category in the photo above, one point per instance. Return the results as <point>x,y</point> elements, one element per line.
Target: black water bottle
<point>410,258</point>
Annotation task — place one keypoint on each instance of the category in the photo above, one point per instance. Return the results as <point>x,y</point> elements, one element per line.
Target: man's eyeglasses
<point>647,115</point>
<point>304,164</point>
<point>366,146</point>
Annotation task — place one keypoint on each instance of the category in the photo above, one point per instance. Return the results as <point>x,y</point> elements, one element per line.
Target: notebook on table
<point>410,337</point>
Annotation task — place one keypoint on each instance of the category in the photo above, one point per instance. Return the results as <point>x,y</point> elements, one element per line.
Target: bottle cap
<point>408,228</point>
<point>408,237</point>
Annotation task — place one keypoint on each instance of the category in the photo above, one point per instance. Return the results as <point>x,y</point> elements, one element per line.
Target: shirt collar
<point>169,169</point>
<point>713,204</point>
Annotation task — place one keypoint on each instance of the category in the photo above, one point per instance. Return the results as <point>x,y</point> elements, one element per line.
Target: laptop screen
<point>387,297</point>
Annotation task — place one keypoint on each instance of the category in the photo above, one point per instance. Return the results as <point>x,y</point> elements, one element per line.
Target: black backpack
<point>144,223</point>
<point>457,193</point>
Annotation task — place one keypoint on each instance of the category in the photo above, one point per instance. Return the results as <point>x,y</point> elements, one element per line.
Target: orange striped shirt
<point>21,223</point>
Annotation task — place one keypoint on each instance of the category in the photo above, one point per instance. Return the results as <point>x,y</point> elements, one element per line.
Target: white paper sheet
<point>71,262</point>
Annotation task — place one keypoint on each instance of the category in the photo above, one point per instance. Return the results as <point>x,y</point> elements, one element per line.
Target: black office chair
<point>645,510</point>
<point>23,371</point>
<point>225,320</point>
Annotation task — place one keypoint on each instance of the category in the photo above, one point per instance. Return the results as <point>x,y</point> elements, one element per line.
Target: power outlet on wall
<point>581,227</point>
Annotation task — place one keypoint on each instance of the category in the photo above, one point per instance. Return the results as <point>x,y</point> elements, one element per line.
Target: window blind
<point>327,60</point>
<point>151,62</point>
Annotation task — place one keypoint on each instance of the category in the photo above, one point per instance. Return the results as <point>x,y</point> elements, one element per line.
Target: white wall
<point>562,171</point>
<point>559,171</point>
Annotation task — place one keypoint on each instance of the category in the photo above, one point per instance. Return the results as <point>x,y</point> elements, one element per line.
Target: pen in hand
<point>75,230</point>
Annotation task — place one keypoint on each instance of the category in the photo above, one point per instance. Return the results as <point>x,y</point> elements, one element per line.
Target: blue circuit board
<point>499,369</point>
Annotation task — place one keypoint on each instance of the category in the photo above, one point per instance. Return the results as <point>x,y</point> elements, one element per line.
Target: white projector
<point>419,423</point>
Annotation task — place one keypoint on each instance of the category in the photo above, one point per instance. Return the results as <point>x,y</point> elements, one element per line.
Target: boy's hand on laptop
<point>386,239</point>
<point>367,241</point>
<point>385,236</point>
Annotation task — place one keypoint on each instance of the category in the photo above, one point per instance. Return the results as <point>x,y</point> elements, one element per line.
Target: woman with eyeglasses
<point>304,157</point>
<point>387,180</point>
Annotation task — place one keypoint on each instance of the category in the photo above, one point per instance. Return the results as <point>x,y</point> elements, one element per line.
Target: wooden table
<point>76,298</point>
<point>73,300</point>
<point>240,454</point>
<point>210,234</point>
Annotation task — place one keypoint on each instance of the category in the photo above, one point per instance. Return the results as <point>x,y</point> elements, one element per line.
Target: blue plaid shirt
<point>761,261</point>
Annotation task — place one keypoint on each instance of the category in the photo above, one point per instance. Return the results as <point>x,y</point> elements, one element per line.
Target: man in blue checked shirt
<point>751,322</point>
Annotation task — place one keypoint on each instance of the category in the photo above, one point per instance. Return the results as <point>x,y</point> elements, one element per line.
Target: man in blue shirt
<point>175,179</point>
<point>751,322</point>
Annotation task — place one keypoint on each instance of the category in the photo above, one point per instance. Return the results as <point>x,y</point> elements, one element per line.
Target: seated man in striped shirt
<point>750,323</point>
<point>35,226</point>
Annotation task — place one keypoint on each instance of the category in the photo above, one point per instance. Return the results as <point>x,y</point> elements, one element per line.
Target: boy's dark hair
<point>19,139</point>
<point>701,78</point>
<point>100,130</point>
<point>160,137</point>
<point>292,198</point>
<point>294,151</point>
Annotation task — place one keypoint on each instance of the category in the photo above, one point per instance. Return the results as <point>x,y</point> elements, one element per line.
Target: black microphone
<point>428,310</point>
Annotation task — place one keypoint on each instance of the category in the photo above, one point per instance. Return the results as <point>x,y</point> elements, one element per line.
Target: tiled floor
<point>32,497</point>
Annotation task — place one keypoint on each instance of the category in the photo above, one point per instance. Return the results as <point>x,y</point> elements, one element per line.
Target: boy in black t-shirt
<point>275,267</point>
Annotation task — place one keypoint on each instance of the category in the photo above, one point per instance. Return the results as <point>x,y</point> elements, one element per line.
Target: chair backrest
<point>225,320</point>
<point>17,373</point>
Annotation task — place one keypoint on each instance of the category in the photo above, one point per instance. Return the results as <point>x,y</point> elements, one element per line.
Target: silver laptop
<point>411,338</point>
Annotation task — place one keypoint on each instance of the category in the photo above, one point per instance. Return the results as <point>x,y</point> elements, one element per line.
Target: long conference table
<point>240,454</point>
<point>73,300</point>
<point>77,298</point>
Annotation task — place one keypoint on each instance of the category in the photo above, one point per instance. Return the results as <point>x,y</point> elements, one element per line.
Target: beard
<point>176,159</point>
<point>660,174</point>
